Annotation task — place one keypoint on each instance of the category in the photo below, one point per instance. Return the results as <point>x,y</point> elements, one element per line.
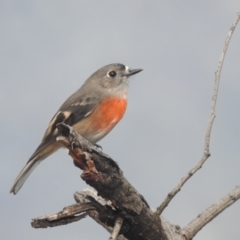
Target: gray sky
<point>48,49</point>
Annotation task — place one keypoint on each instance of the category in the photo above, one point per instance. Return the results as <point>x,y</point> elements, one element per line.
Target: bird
<point>93,110</point>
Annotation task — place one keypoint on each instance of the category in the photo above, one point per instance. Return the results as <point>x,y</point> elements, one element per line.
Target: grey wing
<point>69,113</point>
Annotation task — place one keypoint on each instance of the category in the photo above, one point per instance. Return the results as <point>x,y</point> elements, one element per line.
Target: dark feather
<point>69,115</point>
<point>79,112</point>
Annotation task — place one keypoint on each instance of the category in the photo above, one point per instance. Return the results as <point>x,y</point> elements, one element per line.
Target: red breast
<point>108,113</point>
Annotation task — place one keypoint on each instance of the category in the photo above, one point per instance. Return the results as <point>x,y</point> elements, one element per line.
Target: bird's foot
<point>98,146</point>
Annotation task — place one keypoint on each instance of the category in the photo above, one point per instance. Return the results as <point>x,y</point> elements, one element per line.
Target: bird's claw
<point>98,146</point>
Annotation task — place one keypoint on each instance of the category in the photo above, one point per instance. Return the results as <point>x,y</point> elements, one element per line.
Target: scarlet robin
<point>93,110</point>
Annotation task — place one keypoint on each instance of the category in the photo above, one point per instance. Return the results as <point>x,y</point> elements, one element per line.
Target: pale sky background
<point>49,48</point>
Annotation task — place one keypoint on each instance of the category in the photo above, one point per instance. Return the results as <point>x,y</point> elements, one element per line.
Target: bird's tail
<point>42,152</point>
<point>23,175</point>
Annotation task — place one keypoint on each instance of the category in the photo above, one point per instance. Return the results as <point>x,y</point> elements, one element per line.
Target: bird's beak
<point>132,72</point>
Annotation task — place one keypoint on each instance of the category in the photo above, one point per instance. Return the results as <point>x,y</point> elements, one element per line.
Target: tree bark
<point>104,175</point>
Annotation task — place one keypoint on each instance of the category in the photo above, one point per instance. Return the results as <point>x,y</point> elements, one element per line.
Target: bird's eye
<point>112,74</point>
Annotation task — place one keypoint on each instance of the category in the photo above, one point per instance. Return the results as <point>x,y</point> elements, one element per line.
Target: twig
<point>117,228</point>
<point>68,215</point>
<point>210,213</point>
<point>206,153</point>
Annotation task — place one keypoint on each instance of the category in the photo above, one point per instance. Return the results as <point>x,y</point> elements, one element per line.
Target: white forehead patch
<point>127,68</point>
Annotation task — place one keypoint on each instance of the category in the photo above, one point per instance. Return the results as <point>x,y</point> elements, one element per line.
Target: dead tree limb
<point>104,175</point>
<point>88,204</point>
<point>210,213</point>
<point>206,152</point>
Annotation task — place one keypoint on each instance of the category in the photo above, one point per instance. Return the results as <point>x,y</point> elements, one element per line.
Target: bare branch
<point>103,174</point>
<point>206,153</point>
<point>88,203</point>
<point>210,213</point>
<point>67,215</point>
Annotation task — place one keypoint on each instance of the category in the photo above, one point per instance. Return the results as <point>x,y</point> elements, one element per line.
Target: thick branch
<point>210,213</point>
<point>88,203</point>
<point>102,173</point>
<point>102,212</point>
<point>206,153</point>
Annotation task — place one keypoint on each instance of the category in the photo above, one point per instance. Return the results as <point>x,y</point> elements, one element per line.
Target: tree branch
<point>101,211</point>
<point>88,203</point>
<point>206,153</point>
<point>67,215</point>
<point>103,174</point>
<point>210,213</point>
